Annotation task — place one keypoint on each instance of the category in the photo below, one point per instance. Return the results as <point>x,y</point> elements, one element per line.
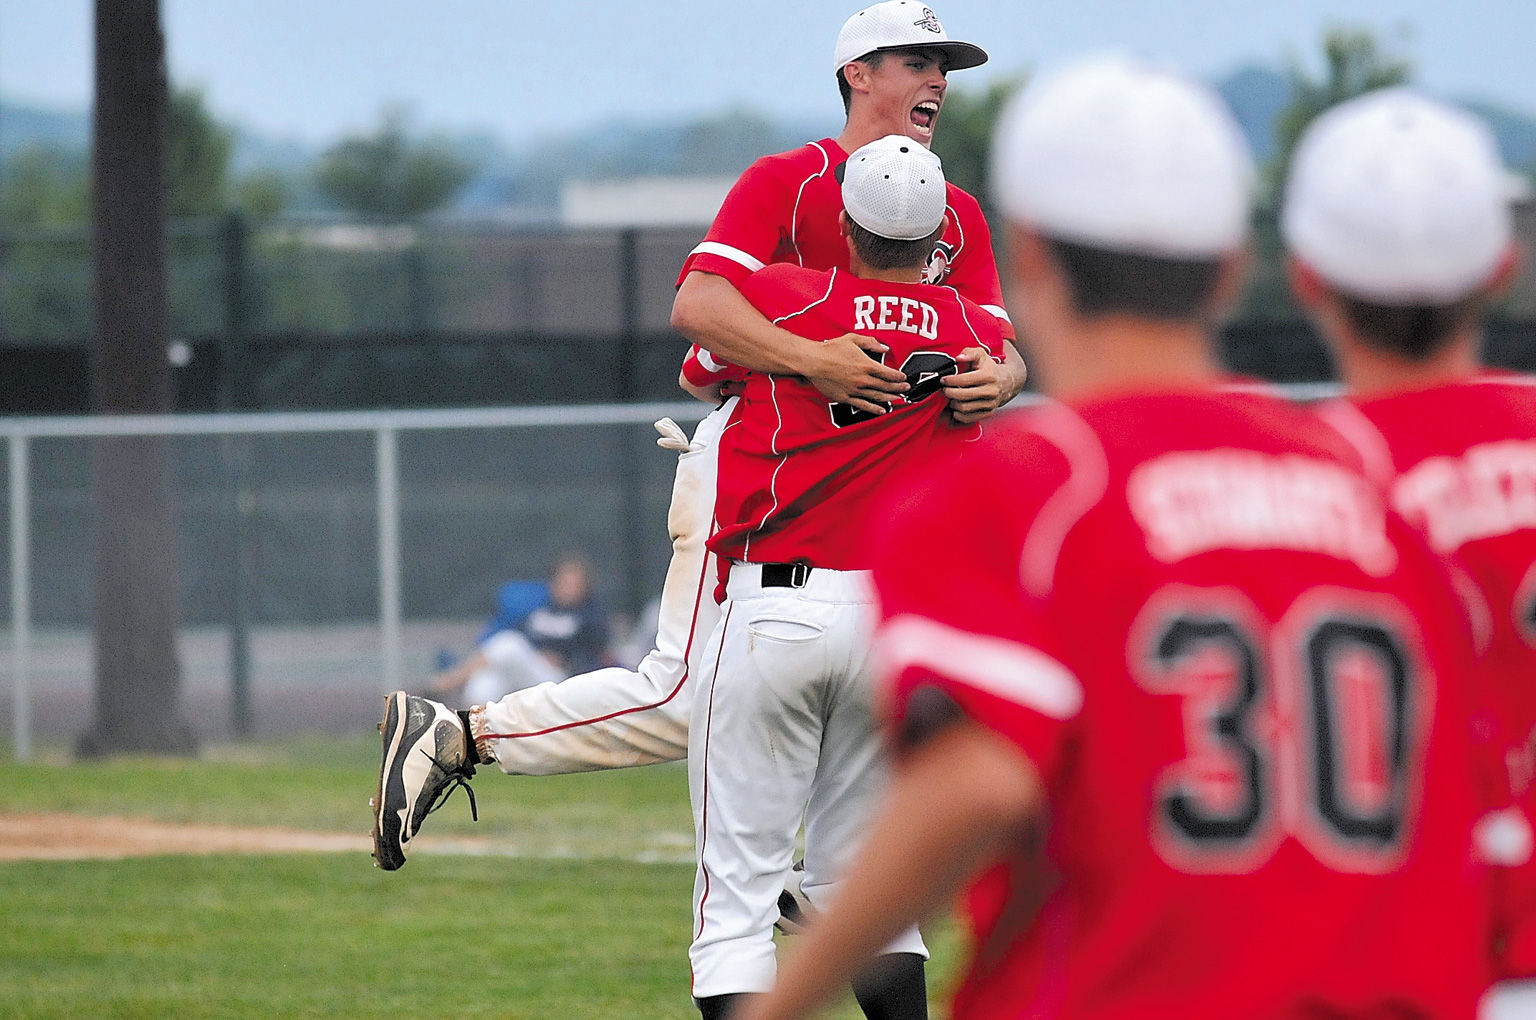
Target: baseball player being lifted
<point>782,725</point>
<point>891,63</point>
<point>1397,220</point>
<point>1204,677</point>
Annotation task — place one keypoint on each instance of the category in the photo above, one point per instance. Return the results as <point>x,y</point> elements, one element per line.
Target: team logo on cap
<point>930,22</point>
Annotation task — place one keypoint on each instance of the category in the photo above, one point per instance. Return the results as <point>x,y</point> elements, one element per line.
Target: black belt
<point>785,575</point>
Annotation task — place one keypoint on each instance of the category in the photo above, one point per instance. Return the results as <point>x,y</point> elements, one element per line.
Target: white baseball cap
<point>901,24</point>
<point>894,187</point>
<point>1120,155</point>
<point>1398,199</point>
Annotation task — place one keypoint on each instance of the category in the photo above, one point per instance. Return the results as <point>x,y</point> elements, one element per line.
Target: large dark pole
<point>138,675</point>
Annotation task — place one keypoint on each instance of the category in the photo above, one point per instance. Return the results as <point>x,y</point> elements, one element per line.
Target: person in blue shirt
<point>541,632</point>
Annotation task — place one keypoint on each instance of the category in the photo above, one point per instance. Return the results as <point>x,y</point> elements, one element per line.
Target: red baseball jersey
<point>784,208</point>
<point>798,474</point>
<point>1239,677</point>
<point>1460,464</point>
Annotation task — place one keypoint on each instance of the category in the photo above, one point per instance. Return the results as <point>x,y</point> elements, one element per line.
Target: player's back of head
<point>1137,178</point>
<point>895,199</point>
<point>1399,204</point>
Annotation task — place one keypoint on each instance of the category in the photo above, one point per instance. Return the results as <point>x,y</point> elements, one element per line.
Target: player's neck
<point>858,132</point>
<point>909,274</point>
<point>1371,372</point>
<point>1112,353</point>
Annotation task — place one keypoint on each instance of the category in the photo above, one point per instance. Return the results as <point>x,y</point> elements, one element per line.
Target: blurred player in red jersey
<point>1203,684</point>
<point>1397,220</point>
<point>891,62</point>
<point>782,728</point>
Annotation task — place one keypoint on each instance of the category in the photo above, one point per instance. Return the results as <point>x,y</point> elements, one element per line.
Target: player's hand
<point>846,371</point>
<point>978,389</point>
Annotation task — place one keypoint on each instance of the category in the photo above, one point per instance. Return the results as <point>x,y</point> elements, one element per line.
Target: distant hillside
<point>1257,95</point>
<point>723,144</point>
<point>1516,133</point>
<point>23,127</point>
<point>525,183</point>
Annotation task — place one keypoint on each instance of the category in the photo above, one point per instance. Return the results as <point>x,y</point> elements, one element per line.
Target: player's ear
<point>1310,290</point>
<point>1508,268</point>
<point>1027,254</point>
<point>842,223</point>
<point>1231,277</point>
<point>856,73</point>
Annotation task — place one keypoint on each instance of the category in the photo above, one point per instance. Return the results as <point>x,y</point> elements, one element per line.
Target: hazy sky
<point>311,70</point>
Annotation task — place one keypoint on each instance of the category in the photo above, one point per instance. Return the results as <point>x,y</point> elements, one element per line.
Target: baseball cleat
<point>425,759</point>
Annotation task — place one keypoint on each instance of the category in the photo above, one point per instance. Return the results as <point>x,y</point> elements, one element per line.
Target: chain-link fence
<point>325,556</point>
<point>300,314</point>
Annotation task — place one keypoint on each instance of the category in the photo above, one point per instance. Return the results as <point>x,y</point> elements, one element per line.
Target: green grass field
<point>581,909</point>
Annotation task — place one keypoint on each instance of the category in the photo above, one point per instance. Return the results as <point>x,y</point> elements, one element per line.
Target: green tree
<point>49,186</point>
<point>45,186</point>
<point>965,137</point>
<point>197,152</point>
<point>1354,62</point>
<point>388,174</point>
<point>262,194</point>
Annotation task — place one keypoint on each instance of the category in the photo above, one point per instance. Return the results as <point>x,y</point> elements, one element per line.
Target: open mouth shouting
<point>923,116</point>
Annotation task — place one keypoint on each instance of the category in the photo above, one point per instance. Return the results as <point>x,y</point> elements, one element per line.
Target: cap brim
<point>961,54</point>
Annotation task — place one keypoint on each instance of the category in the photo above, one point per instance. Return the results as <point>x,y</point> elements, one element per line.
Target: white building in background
<point>643,202</point>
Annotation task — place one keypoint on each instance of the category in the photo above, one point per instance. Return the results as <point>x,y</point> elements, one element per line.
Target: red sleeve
<point>1514,892</point>
<point>953,615</point>
<point>974,270</point>
<point>746,230</point>
<point>774,291</point>
<point>1506,836</point>
<point>990,331</point>
<point>702,369</point>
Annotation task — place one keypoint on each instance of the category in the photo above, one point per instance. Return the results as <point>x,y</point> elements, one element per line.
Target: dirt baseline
<point>64,837</point>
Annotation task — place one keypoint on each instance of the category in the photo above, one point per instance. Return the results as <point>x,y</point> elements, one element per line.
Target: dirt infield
<point>70,837</point>
<point>65,837</point>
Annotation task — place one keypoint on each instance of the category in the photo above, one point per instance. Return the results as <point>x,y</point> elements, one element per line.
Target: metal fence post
<point>388,480</point>
<point>232,449</point>
<point>21,597</point>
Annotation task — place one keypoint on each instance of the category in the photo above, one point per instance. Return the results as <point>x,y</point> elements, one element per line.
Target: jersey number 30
<point>1306,731</point>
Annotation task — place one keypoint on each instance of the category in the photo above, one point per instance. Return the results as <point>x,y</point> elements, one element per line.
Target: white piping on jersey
<point>773,443</point>
<point>995,665</point>
<point>966,318</point>
<point>1504,380</point>
<point>794,214</point>
<point>1000,312</point>
<point>1475,600</point>
<point>1364,437</point>
<point>954,218</point>
<point>1087,481</point>
<point>725,251</point>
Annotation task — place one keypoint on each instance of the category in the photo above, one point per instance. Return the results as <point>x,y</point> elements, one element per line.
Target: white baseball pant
<point>783,729</point>
<point>615,718</point>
